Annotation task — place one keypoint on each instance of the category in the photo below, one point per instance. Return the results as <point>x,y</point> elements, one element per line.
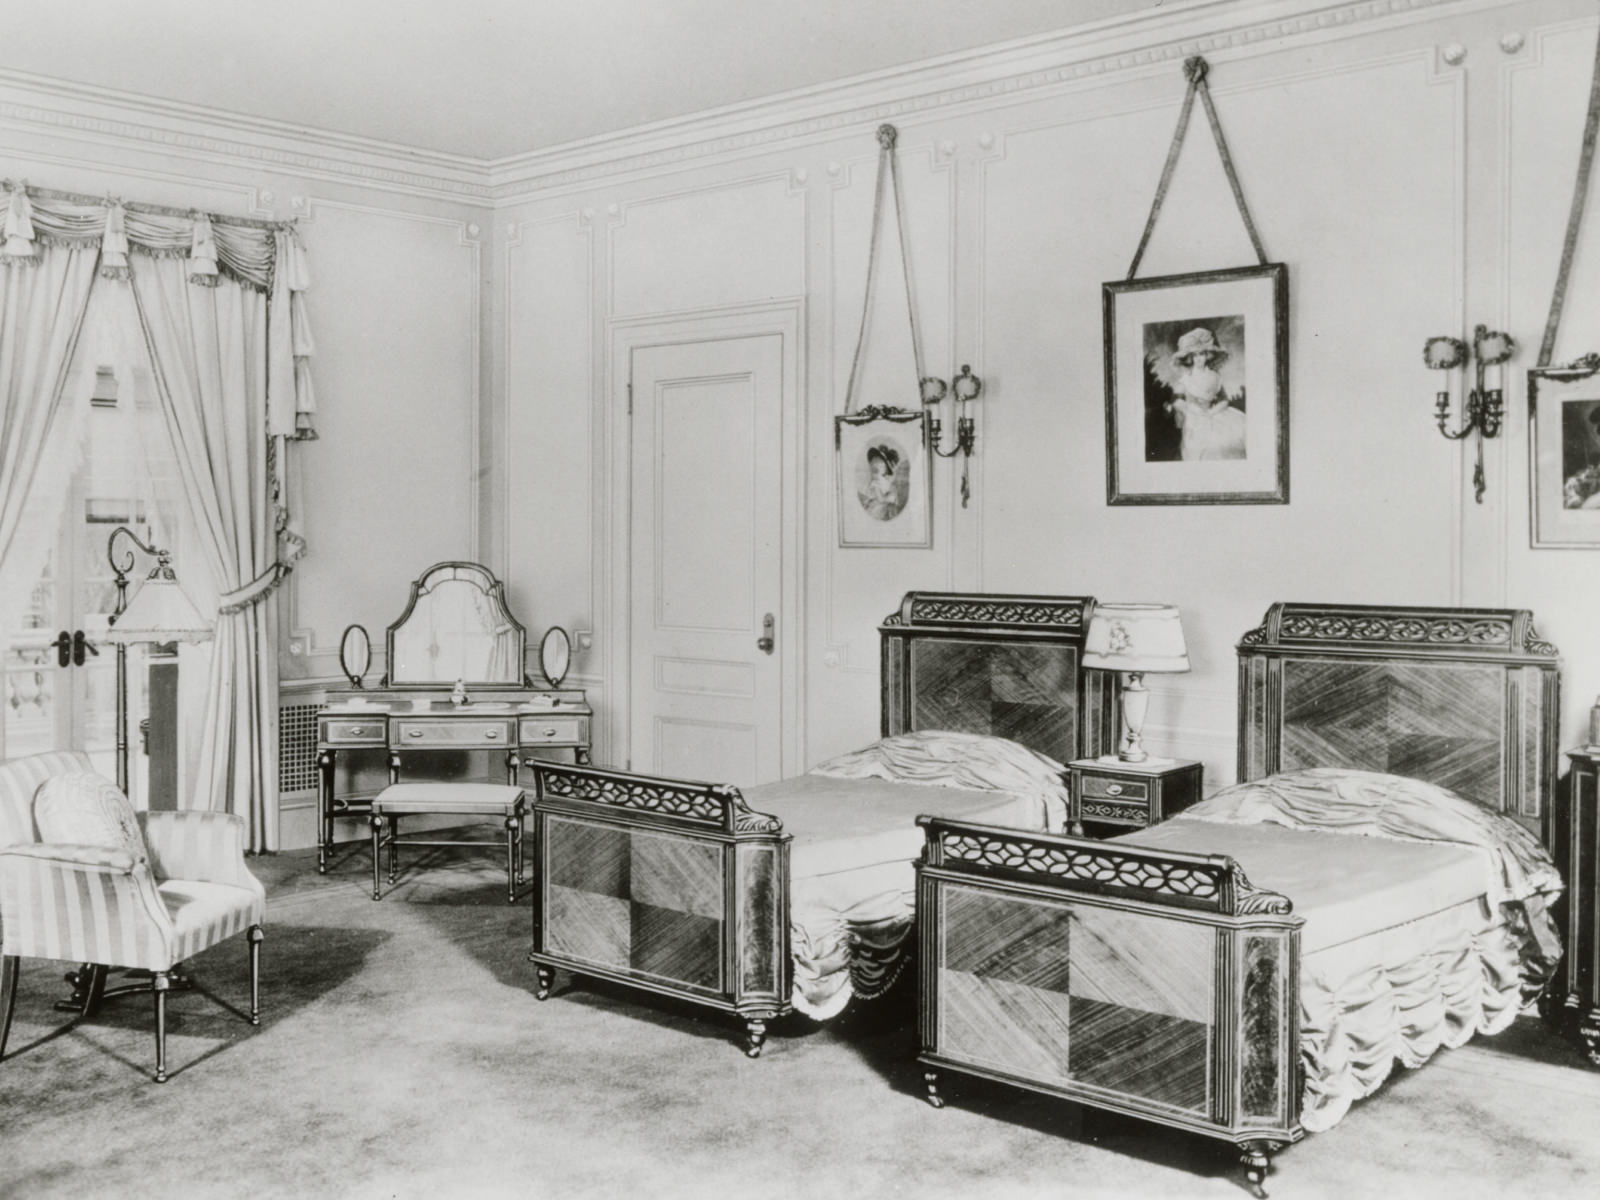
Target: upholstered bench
<point>505,801</point>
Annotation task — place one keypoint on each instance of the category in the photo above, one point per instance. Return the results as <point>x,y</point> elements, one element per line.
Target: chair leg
<point>377,821</point>
<point>255,935</point>
<point>394,848</point>
<point>158,984</point>
<point>9,966</point>
<point>511,858</point>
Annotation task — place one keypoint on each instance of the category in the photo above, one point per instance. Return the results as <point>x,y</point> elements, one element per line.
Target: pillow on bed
<point>1371,804</point>
<point>944,758</point>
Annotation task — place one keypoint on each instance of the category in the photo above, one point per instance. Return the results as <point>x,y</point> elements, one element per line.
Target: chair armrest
<point>207,847</point>
<point>80,903</point>
<point>75,854</point>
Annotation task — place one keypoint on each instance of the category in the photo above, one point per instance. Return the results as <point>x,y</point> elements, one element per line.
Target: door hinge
<point>630,398</point>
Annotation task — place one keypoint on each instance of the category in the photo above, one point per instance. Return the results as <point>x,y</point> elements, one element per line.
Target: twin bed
<point>1374,890</point>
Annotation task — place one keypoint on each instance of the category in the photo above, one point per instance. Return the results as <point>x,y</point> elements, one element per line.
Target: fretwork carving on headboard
<point>1468,698</point>
<point>1006,665</point>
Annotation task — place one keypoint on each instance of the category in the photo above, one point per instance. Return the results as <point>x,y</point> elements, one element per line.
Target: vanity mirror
<point>355,654</point>
<point>555,655</point>
<point>456,626</point>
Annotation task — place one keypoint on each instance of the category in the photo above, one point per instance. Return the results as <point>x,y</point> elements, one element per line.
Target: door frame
<point>785,319</point>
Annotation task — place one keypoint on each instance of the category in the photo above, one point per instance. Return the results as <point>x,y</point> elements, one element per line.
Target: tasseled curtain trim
<point>245,253</point>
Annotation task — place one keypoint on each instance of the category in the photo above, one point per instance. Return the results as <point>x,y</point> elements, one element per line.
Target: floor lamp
<point>160,612</point>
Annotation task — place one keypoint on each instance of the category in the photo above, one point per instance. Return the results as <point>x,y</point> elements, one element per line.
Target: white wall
<point>1408,195</point>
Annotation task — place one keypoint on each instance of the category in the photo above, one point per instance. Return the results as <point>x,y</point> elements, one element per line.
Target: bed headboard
<point>1005,665</point>
<point>1467,698</point>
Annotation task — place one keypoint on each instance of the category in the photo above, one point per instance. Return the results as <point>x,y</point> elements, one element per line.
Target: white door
<point>706,554</point>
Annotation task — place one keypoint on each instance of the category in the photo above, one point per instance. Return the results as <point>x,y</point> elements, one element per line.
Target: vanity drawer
<point>453,733</point>
<point>552,731</point>
<point>1128,791</point>
<point>351,731</point>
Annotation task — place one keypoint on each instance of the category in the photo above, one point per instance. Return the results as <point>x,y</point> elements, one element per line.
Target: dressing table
<point>455,682</point>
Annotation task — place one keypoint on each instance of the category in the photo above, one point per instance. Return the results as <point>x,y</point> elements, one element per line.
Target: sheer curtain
<point>43,297</point>
<point>219,314</point>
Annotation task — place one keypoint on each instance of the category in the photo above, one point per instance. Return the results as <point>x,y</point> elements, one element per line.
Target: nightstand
<point>1580,850</point>
<point>1108,791</point>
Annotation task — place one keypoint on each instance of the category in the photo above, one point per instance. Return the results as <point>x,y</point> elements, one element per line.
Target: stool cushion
<point>501,799</point>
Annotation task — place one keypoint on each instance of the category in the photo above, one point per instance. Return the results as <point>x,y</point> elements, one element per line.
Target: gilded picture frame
<point>1197,387</point>
<point>1564,455</point>
<point>885,478</point>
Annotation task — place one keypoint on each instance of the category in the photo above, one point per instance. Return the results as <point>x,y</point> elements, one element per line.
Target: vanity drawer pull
<point>491,734</point>
<point>1113,789</point>
<point>413,733</point>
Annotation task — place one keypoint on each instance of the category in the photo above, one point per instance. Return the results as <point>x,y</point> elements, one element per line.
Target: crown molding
<point>1148,41</point>
<point>110,119</point>
<point>1144,42</point>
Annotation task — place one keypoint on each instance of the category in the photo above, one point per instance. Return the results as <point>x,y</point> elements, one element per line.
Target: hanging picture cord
<point>887,136</point>
<point>1580,193</point>
<point>1195,71</point>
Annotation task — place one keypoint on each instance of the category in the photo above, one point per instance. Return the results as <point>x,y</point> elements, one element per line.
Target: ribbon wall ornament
<point>1197,365</point>
<point>884,452</point>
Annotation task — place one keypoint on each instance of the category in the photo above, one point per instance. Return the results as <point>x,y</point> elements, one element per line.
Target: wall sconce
<point>966,388</point>
<point>1481,409</point>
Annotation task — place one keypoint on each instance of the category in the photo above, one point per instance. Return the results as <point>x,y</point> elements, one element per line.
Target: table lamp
<point>1135,639</point>
<point>159,612</point>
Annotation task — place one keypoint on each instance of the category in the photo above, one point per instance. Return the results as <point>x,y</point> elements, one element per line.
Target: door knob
<point>63,649</point>
<point>765,642</point>
<point>79,645</point>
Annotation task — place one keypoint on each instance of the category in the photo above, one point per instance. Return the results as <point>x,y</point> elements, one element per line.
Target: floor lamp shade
<point>1135,639</point>
<point>159,611</point>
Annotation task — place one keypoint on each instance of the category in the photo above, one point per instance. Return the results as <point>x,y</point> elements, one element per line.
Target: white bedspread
<point>853,821</point>
<point>1426,915</point>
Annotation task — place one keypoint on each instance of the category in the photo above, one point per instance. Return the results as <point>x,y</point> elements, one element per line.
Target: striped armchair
<point>138,890</point>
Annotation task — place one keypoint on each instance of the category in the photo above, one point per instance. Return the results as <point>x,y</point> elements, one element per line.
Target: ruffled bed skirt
<point>1358,1021</point>
<point>858,950</point>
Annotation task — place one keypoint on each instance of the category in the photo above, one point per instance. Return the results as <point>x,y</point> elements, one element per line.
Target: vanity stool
<point>502,800</point>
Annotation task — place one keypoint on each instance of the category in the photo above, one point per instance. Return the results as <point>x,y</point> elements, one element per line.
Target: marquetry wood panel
<point>1069,994</point>
<point>1441,722</point>
<point>1026,693</point>
<point>635,901</point>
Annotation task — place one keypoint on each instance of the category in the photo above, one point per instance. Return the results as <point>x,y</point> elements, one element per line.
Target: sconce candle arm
<point>1482,407</point>
<point>965,388</point>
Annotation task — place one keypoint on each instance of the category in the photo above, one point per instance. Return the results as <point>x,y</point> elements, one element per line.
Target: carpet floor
<point>402,1055</point>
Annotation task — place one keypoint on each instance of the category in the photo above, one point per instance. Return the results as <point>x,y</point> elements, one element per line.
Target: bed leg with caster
<point>547,979</point>
<point>1257,1160</point>
<point>930,1080</point>
<point>755,1033</point>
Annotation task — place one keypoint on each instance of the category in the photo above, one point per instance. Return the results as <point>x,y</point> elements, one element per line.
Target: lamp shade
<point>160,611</point>
<point>1135,637</point>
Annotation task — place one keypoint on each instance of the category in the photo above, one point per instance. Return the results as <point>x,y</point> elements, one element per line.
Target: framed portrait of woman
<point>1197,388</point>
<point>884,478</point>
<point>1564,455</point>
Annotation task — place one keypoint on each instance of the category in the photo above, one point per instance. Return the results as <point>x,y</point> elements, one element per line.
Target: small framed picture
<point>884,478</point>
<point>1197,388</point>
<point>1564,454</point>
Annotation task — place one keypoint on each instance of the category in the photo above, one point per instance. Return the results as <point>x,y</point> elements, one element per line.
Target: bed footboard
<point>662,884</point>
<point>1157,984</point>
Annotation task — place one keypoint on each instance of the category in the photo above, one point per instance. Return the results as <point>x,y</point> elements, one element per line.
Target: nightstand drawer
<point>559,731</point>
<point>1096,787</point>
<point>1122,812</point>
<point>450,733</point>
<point>351,731</point>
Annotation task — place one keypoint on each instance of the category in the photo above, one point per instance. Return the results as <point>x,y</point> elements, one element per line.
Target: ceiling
<point>488,79</point>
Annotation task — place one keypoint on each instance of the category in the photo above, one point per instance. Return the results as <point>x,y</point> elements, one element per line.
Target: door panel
<point>706,700</point>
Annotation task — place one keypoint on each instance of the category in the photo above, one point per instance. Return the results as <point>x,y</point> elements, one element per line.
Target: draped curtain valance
<point>264,256</point>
